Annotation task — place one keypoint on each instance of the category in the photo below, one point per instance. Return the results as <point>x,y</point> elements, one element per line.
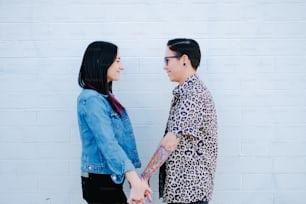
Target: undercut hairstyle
<point>189,47</point>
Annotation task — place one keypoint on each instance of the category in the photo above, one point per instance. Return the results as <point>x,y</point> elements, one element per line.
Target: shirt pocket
<point>116,120</point>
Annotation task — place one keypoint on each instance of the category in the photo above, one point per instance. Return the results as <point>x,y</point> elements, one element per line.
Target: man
<point>187,153</point>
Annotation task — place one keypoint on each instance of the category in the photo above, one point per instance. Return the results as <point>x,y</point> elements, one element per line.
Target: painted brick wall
<point>254,62</point>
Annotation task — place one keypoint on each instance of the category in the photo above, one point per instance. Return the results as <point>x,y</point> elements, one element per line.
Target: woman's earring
<point>184,64</point>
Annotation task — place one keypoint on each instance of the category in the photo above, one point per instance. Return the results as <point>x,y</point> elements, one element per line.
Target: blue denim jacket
<point>108,141</point>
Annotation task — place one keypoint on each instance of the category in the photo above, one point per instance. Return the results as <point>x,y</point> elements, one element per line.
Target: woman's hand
<point>139,189</point>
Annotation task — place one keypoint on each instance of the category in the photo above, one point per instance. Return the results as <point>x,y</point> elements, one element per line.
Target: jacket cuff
<point>128,166</point>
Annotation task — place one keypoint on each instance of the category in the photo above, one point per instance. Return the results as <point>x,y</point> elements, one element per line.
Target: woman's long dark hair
<point>98,57</point>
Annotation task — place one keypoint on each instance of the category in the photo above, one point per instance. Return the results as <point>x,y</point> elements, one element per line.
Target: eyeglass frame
<point>169,57</point>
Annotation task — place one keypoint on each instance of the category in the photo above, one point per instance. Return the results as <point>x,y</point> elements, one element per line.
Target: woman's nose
<point>121,67</point>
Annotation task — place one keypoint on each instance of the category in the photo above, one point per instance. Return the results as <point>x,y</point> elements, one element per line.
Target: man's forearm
<point>159,157</point>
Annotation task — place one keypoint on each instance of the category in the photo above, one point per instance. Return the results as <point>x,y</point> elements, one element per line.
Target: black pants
<point>100,189</point>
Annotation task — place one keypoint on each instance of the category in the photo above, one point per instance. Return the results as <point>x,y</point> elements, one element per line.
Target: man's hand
<point>147,193</point>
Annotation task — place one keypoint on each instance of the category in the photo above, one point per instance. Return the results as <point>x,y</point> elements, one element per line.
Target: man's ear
<point>185,59</point>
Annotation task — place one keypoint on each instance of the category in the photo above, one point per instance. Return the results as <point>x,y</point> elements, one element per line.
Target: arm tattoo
<point>159,157</point>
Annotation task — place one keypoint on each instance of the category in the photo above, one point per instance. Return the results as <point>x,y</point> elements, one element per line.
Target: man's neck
<point>189,72</point>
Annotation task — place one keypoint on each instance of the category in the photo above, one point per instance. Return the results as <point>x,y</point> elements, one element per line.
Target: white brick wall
<point>254,59</point>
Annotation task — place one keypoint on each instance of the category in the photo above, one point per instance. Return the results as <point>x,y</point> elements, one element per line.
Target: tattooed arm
<point>165,148</point>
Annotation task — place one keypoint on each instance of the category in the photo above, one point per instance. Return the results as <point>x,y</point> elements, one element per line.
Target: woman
<point>109,151</point>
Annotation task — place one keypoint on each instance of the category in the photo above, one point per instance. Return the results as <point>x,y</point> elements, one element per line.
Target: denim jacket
<point>108,141</point>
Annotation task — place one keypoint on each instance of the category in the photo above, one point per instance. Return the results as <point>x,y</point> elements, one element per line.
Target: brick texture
<point>254,59</point>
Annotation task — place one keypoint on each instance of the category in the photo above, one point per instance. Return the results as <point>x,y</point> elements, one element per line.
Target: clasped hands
<point>140,191</point>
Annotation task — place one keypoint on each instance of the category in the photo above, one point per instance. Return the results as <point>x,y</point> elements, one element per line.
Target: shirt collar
<point>187,85</point>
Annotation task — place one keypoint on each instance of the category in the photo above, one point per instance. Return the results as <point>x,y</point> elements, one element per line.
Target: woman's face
<point>113,72</point>
<point>173,66</point>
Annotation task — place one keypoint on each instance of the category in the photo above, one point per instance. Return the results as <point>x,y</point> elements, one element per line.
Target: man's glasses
<point>168,57</point>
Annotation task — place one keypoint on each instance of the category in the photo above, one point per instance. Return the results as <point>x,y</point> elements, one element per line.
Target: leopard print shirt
<point>190,169</point>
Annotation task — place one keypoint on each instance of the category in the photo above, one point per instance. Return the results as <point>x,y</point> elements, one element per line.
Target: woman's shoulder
<point>90,93</point>
<point>92,100</point>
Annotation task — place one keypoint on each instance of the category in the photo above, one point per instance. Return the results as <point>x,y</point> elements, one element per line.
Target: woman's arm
<point>100,124</point>
<point>117,160</point>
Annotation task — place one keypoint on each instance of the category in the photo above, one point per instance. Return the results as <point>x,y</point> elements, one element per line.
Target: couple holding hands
<point>187,153</point>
